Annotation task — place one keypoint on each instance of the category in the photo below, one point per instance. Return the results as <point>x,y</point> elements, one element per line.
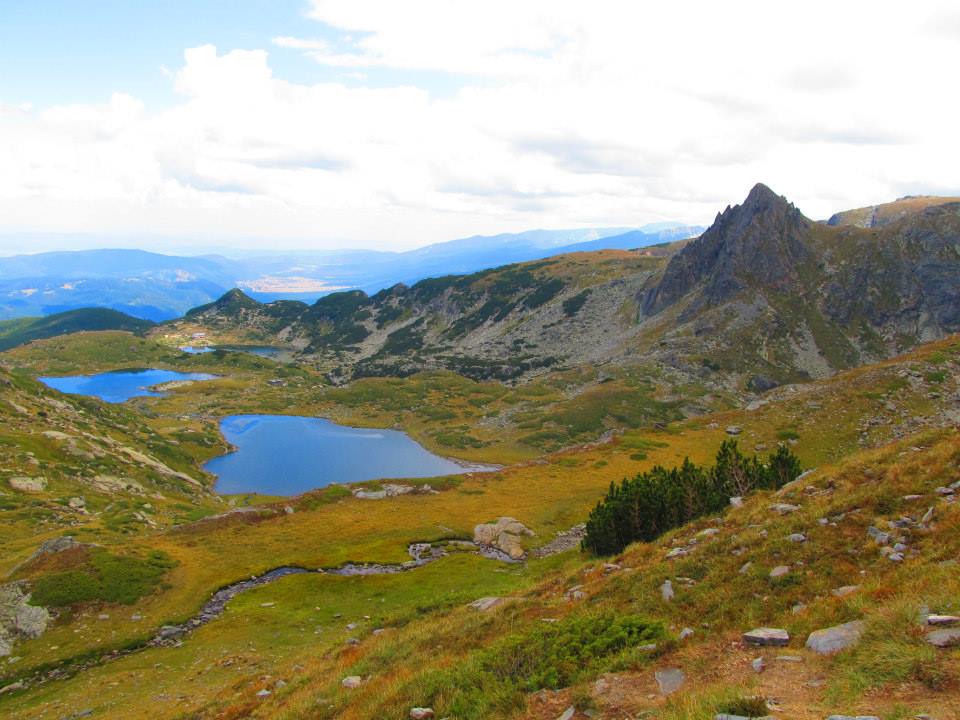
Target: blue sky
<point>380,123</point>
<point>68,51</point>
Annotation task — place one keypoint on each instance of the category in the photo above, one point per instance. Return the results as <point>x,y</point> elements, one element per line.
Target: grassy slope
<point>24,330</point>
<point>547,496</point>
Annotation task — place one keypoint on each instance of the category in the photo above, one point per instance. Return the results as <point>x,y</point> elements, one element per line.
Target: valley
<point>546,382</point>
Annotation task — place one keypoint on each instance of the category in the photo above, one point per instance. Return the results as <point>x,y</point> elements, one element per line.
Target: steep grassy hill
<point>24,330</point>
<point>882,439</point>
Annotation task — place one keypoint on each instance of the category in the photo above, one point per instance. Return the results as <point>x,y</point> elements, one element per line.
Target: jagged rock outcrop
<point>762,242</point>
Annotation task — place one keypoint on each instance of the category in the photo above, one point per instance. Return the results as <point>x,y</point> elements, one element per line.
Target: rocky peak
<point>759,242</point>
<point>232,301</point>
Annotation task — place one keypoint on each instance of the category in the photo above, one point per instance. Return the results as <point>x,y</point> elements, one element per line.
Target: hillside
<point>882,439</point>
<point>24,330</point>
<point>764,296</point>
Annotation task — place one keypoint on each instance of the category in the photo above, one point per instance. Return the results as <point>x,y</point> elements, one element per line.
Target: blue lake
<point>120,385</point>
<point>289,455</point>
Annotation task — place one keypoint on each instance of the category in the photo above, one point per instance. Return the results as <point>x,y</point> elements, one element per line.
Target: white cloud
<point>567,113</point>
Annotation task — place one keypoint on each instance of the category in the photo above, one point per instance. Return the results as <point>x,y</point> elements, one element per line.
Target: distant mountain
<point>161,287</point>
<point>764,296</point>
<point>24,330</point>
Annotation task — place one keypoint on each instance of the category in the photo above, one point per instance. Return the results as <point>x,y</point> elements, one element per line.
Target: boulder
<point>775,637</point>
<point>419,713</point>
<point>779,571</point>
<point>666,591</point>
<point>734,430</point>
<point>784,508</point>
<point>486,603</point>
<point>669,680</point>
<point>28,484</point>
<point>351,681</point>
<point>943,620</point>
<point>834,639</point>
<point>946,638</point>
<point>844,591</point>
<point>504,535</point>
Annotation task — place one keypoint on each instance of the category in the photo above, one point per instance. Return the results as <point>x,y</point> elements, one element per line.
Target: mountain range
<point>765,296</point>
<point>160,287</point>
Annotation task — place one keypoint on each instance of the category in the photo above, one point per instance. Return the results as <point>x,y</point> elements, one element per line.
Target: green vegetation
<point>547,655</point>
<point>103,578</point>
<point>645,507</point>
<point>571,306</point>
<point>24,330</point>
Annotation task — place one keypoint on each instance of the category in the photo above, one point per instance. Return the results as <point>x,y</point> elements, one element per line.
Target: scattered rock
<point>263,693</point>
<point>844,591</point>
<point>666,591</point>
<point>486,603</point>
<point>734,430</point>
<point>352,681</point>
<point>745,568</point>
<point>28,484</point>
<point>834,639</point>
<point>784,508</point>
<point>758,665</point>
<point>943,620</point>
<point>675,553</point>
<point>685,633</point>
<point>568,713</point>
<point>736,501</point>
<point>779,571</point>
<point>775,637</point>
<point>797,537</point>
<point>946,638</point>
<point>419,713</point>
<point>669,680</point>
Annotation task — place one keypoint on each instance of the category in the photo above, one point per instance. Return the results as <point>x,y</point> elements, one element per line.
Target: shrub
<point>646,506</point>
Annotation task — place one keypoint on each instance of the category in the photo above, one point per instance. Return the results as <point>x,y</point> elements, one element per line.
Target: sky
<point>386,124</point>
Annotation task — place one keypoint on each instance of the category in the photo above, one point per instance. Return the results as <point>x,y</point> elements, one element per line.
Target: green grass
<point>104,578</point>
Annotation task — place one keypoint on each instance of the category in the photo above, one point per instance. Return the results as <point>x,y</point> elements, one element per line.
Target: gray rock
<point>878,535</point>
<point>844,591</point>
<point>669,680</point>
<point>676,552</point>
<point>736,501</point>
<point>351,681</point>
<point>666,591</point>
<point>568,713</point>
<point>775,637</point>
<point>784,508</point>
<point>685,633</point>
<point>834,639</point>
<point>734,430</point>
<point>943,620</point>
<point>758,665</point>
<point>779,571</point>
<point>28,484</point>
<point>946,638</point>
<point>486,603</point>
<point>421,713</point>
<point>797,537</point>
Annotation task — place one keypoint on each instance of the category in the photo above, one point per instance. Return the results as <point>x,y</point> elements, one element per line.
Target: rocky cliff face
<point>762,242</point>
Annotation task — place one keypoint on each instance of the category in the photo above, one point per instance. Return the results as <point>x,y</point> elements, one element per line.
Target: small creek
<point>420,553</point>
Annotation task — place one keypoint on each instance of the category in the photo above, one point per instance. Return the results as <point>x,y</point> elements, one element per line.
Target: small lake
<point>120,385</point>
<point>289,455</point>
<point>265,351</point>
